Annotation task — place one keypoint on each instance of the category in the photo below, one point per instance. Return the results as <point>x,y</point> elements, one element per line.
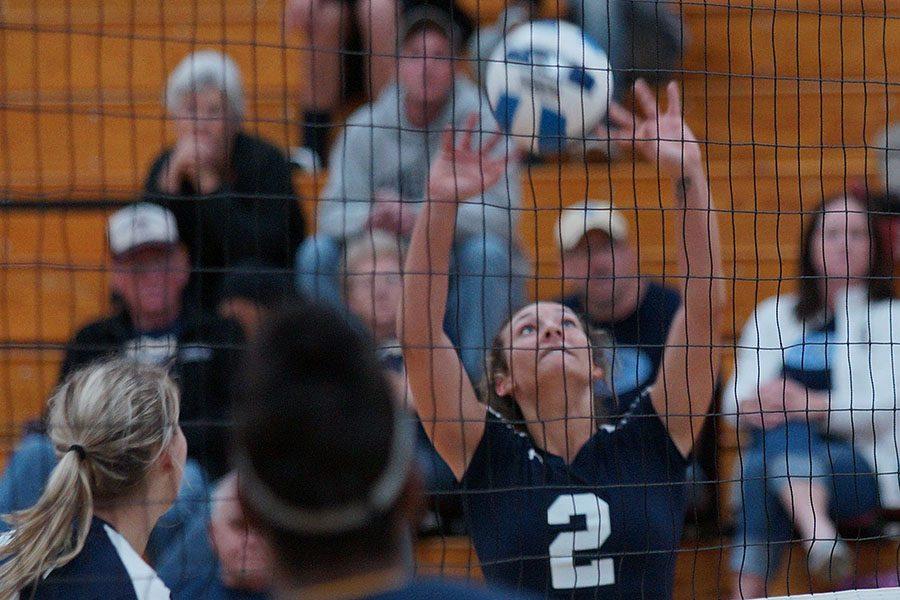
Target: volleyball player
<point>560,501</point>
<point>324,459</point>
<point>121,457</point>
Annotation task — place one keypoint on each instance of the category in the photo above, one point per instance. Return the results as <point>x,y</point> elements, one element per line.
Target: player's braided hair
<point>506,406</point>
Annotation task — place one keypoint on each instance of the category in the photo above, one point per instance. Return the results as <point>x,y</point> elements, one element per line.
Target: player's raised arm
<point>685,384</point>
<point>441,391</point>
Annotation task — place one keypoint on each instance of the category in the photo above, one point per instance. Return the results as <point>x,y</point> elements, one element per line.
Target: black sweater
<point>206,354</point>
<point>254,217</point>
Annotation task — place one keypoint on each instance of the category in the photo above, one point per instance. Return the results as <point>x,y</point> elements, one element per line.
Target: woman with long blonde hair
<point>121,453</point>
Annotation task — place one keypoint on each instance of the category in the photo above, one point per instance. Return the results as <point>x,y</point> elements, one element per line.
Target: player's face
<point>240,550</point>
<point>150,280</point>
<point>602,266</point>
<point>426,68</point>
<point>546,342</point>
<point>840,244</point>
<point>373,293</point>
<point>205,118</point>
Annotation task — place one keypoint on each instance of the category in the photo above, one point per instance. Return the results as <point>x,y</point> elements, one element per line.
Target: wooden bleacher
<point>786,94</point>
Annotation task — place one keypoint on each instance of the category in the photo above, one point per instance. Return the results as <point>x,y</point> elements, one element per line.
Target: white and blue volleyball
<point>548,83</point>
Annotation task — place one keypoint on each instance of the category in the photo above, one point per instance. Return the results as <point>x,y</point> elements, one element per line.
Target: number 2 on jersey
<point>564,572</point>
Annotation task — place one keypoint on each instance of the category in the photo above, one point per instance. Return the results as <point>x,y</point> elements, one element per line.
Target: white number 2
<point>563,570</point>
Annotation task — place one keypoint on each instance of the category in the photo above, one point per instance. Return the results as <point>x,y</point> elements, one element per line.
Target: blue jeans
<point>32,462</point>
<point>481,295</point>
<point>796,451</point>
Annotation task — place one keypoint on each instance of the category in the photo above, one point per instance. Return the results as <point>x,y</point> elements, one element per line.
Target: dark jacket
<point>206,354</point>
<point>255,216</point>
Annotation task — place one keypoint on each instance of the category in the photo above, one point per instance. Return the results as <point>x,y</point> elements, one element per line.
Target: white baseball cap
<point>575,221</point>
<point>140,225</point>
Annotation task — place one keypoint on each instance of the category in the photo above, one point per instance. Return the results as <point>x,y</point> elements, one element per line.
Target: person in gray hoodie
<point>378,177</point>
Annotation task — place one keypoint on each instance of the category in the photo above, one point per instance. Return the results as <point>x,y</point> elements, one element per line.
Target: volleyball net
<point>792,102</point>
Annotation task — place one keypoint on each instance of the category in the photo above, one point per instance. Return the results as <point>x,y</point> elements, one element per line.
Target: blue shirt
<point>807,360</point>
<point>639,344</point>
<point>107,568</point>
<point>605,526</point>
<point>190,568</point>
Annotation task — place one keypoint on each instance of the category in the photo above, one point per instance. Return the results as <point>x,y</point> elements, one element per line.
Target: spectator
<point>114,426</point>
<point>601,262</point>
<point>249,294</point>
<point>796,470</point>
<point>338,526</point>
<point>373,272</point>
<point>231,192</point>
<point>219,559</point>
<point>378,177</point>
<point>155,326</point>
<point>887,210</point>
<point>644,40</point>
<point>326,25</point>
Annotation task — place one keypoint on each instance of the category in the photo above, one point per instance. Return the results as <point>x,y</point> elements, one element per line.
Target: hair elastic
<point>79,450</point>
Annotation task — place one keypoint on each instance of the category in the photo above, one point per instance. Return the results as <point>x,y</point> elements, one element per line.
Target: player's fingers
<point>488,148</point>
<point>469,128</point>
<point>622,117</point>
<point>447,143</point>
<point>674,97</point>
<point>492,172</point>
<point>644,96</point>
<point>621,138</point>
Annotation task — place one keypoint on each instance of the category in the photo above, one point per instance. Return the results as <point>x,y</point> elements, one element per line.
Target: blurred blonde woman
<point>121,453</point>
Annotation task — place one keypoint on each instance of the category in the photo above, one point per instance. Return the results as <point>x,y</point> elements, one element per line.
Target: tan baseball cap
<point>140,225</point>
<point>576,220</point>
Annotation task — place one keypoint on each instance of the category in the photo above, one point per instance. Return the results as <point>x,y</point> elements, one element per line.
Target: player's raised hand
<point>660,137</point>
<point>462,170</point>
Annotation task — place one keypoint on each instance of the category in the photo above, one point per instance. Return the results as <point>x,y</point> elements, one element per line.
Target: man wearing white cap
<point>601,265</point>
<point>150,269</point>
<point>149,272</point>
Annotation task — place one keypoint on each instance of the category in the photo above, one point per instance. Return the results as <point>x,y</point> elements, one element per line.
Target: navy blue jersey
<point>605,526</point>
<point>107,568</point>
<point>639,343</point>
<point>441,590</point>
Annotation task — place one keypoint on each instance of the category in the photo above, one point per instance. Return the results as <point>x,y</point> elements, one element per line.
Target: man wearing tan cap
<point>601,265</point>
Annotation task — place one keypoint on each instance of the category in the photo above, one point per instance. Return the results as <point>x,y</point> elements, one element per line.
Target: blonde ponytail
<point>109,423</point>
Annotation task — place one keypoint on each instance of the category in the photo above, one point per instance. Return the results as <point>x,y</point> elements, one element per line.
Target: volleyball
<point>548,83</point>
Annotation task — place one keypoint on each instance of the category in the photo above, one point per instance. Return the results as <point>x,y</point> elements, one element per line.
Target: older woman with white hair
<point>230,191</point>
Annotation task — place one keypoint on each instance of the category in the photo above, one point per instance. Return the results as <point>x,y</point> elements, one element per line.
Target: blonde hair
<point>371,245</point>
<point>109,423</point>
